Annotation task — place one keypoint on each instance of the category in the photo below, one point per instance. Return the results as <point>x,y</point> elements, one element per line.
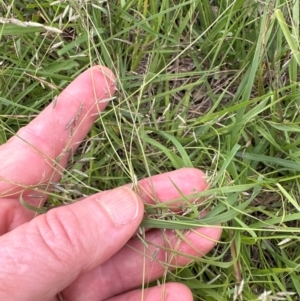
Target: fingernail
<point>122,204</point>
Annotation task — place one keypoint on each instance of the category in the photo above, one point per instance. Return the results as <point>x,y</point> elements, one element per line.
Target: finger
<point>45,255</point>
<point>139,263</point>
<point>159,188</point>
<point>166,292</point>
<point>54,133</point>
<point>172,187</point>
<point>31,154</point>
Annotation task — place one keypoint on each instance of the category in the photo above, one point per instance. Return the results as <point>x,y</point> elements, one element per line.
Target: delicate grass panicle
<point>206,84</point>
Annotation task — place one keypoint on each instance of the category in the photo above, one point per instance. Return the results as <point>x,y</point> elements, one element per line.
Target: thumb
<point>42,257</point>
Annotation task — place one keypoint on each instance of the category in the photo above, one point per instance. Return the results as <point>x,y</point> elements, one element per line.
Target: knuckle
<point>59,233</point>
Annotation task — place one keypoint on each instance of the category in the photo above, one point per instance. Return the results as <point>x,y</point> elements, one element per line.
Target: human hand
<point>86,250</point>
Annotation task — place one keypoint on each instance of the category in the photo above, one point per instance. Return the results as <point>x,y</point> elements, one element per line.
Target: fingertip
<point>195,176</point>
<point>171,291</point>
<point>199,242</point>
<point>166,292</point>
<point>178,292</point>
<point>173,185</point>
<point>105,71</point>
<point>98,83</point>
<point>102,80</point>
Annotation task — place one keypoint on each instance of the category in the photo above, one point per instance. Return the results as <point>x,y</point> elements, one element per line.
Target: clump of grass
<point>209,84</point>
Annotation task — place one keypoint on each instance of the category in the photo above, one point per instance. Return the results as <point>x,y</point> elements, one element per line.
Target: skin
<point>87,250</point>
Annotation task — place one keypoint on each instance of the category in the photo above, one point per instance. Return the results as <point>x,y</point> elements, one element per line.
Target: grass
<point>209,84</point>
